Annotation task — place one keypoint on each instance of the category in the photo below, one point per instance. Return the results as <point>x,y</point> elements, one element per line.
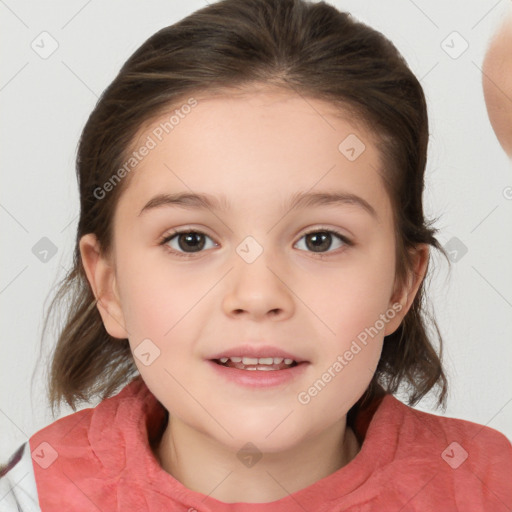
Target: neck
<point>203,465</point>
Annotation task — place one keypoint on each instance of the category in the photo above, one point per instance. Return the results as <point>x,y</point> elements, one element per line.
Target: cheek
<point>353,296</point>
<point>354,303</point>
<point>148,307</point>
<point>155,296</point>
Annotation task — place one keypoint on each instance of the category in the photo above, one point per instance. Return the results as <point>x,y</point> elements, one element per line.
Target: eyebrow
<point>300,200</point>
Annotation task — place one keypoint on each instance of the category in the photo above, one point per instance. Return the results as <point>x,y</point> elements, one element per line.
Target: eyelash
<point>168,238</point>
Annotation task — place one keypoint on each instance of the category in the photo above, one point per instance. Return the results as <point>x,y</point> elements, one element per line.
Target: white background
<point>45,103</point>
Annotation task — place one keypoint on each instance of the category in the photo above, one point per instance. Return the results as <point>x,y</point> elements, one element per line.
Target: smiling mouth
<point>255,363</point>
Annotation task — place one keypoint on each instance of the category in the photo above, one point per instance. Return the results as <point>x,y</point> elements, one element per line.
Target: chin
<point>268,435</point>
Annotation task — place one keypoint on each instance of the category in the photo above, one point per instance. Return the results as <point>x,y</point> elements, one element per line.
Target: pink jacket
<point>100,459</point>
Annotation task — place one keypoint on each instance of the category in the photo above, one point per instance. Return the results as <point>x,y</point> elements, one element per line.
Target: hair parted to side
<point>311,49</point>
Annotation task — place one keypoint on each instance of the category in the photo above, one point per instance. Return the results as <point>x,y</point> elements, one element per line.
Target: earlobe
<point>403,300</point>
<point>101,276</point>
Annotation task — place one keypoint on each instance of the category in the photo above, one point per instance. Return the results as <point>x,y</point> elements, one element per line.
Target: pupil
<point>320,241</point>
<point>191,239</point>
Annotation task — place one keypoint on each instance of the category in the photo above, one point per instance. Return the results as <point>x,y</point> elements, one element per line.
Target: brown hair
<point>309,48</point>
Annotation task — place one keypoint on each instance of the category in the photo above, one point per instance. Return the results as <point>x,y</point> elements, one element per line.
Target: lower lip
<point>259,378</point>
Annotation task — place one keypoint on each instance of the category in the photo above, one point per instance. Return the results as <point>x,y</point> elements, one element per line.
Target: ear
<point>402,300</point>
<point>101,276</point>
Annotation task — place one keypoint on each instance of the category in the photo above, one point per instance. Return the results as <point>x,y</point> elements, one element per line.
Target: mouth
<point>258,363</point>
<point>258,373</point>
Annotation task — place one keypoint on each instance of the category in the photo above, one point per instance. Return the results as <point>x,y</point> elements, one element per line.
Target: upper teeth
<point>256,360</point>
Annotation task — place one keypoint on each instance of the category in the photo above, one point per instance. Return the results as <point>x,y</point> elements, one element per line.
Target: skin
<point>497,83</point>
<point>278,144</point>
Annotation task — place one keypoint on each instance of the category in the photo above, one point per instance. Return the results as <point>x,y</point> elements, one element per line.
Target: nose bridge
<point>256,285</point>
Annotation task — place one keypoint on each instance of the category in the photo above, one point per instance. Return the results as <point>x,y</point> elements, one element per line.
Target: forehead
<point>256,145</point>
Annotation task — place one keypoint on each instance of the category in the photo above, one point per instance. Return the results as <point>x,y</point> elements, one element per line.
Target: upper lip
<point>257,351</point>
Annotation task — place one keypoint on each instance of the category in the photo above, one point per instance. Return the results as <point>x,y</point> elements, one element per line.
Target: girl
<point>247,293</point>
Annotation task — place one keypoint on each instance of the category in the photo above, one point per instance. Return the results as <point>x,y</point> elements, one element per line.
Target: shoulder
<point>70,456</point>
<point>441,431</point>
<point>463,457</point>
<point>18,491</point>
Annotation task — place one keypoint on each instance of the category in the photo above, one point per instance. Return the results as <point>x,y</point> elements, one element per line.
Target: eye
<point>320,240</point>
<point>186,242</point>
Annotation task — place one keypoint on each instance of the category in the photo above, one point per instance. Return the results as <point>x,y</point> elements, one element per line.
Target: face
<point>315,279</point>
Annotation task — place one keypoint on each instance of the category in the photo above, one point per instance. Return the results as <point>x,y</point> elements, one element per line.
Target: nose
<point>258,290</point>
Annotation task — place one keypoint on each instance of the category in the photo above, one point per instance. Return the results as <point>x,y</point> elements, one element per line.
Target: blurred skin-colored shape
<point>497,83</point>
